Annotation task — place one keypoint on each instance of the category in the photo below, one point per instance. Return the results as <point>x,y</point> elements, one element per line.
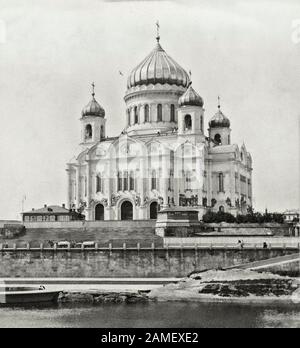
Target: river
<point>166,314</point>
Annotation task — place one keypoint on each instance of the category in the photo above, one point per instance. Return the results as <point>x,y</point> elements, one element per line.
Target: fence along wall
<point>231,241</point>
<point>125,263</point>
<point>91,224</point>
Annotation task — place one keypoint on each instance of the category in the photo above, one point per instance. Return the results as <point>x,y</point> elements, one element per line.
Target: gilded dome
<point>93,108</point>
<point>219,120</point>
<point>158,67</point>
<point>190,97</point>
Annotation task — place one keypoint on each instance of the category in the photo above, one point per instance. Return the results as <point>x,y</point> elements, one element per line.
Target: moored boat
<point>16,294</point>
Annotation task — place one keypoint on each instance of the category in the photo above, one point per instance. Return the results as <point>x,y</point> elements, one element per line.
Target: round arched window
<point>159,113</point>
<point>88,131</point>
<point>146,113</point>
<point>217,138</point>
<point>188,122</point>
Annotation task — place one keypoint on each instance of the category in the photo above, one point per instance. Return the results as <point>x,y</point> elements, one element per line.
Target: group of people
<point>241,244</point>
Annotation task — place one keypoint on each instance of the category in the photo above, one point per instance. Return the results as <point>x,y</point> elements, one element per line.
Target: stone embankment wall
<point>126,263</point>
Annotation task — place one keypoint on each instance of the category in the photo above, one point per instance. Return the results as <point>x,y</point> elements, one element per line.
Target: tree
<point>211,217</point>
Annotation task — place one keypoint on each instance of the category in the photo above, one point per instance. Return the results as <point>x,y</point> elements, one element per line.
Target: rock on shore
<point>102,297</point>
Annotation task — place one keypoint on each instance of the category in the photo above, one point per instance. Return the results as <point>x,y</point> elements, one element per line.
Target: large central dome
<point>158,67</point>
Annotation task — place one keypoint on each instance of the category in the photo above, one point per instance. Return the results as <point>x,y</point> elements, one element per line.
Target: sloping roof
<point>51,209</point>
<point>291,211</point>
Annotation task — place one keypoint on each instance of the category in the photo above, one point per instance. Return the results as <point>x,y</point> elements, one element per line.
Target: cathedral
<point>163,158</point>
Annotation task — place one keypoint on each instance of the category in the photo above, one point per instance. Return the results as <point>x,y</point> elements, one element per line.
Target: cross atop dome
<point>157,31</point>
<point>93,89</point>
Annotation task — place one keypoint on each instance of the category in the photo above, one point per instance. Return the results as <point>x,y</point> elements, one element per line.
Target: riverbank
<point>234,286</point>
<point>231,286</point>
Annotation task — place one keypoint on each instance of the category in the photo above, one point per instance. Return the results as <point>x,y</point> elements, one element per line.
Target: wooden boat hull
<point>22,297</point>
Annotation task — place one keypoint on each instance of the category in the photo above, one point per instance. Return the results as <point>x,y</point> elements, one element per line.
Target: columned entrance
<point>126,211</point>
<point>99,212</point>
<point>153,210</point>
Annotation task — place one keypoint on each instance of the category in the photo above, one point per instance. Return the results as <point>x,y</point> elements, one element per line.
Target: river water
<point>166,314</point>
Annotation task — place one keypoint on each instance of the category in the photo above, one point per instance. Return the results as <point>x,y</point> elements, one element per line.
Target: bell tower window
<point>88,132</point>
<point>217,139</point>
<point>159,113</point>
<point>188,122</point>
<point>102,132</point>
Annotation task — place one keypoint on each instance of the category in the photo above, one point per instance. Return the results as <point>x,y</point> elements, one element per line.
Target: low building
<point>291,216</point>
<point>51,213</point>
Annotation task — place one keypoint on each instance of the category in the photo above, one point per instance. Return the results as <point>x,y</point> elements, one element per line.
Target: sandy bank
<point>234,286</point>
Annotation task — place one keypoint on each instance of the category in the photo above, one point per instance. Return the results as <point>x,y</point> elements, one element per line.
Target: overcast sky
<point>51,51</point>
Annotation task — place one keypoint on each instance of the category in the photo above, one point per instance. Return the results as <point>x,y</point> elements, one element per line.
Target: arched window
<point>188,122</point>
<point>88,131</point>
<point>125,182</point>
<point>217,139</point>
<point>131,181</point>
<point>102,132</point>
<point>98,183</point>
<point>136,115</point>
<point>249,188</point>
<point>153,180</point>
<point>85,186</point>
<point>171,180</point>
<point>172,113</point>
<point>188,180</point>
<point>146,113</point>
<point>159,113</point>
<point>119,181</point>
<point>221,182</point>
<point>201,125</point>
<point>221,209</point>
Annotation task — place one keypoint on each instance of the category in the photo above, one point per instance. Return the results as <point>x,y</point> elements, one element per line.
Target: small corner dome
<point>93,108</point>
<point>219,120</point>
<point>190,97</point>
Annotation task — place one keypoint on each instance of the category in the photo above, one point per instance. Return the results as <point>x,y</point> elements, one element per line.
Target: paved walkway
<point>269,262</point>
<point>97,284</point>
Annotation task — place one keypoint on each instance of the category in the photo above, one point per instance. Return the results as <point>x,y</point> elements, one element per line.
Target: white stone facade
<point>163,157</point>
